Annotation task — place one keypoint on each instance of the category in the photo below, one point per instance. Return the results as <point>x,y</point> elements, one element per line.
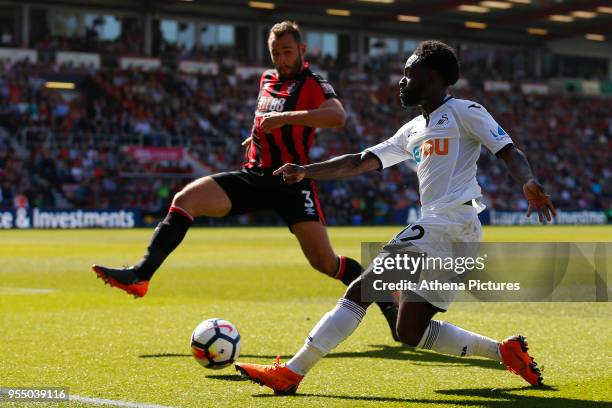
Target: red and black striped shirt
<point>289,143</point>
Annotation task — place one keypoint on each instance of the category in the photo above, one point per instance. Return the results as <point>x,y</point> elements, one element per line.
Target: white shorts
<point>434,234</point>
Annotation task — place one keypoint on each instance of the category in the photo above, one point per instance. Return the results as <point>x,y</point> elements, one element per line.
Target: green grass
<point>103,344</point>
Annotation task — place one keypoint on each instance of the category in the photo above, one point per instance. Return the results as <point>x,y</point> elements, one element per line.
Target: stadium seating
<point>59,150</point>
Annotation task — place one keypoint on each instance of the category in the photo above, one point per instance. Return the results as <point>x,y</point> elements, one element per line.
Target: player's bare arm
<point>519,168</point>
<point>338,168</point>
<point>330,114</point>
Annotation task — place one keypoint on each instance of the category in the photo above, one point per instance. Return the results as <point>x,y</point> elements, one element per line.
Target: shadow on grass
<point>494,398</point>
<point>470,397</point>
<point>397,353</point>
<point>405,353</point>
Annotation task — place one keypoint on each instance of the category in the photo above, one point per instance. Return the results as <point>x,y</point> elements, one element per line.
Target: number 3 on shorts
<point>307,200</point>
<point>308,203</point>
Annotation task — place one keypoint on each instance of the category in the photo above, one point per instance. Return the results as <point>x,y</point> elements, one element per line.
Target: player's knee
<point>410,335</point>
<point>186,200</point>
<point>183,199</point>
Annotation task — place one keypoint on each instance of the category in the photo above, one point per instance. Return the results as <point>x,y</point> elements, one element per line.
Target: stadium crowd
<point>59,151</point>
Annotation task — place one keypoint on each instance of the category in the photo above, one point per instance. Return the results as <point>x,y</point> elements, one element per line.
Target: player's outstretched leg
<point>201,197</point>
<point>167,236</point>
<point>331,330</point>
<point>416,328</point>
<point>349,270</point>
<point>317,249</point>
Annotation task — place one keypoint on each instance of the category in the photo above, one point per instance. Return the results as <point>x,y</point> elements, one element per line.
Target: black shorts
<point>252,190</point>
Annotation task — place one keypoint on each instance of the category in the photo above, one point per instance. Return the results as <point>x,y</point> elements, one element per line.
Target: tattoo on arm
<point>342,167</point>
<point>517,164</point>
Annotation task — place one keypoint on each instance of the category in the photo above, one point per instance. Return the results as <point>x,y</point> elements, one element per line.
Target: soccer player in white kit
<point>445,141</point>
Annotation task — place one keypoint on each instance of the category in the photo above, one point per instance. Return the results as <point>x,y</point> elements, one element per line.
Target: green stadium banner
<point>606,88</point>
<point>573,86</point>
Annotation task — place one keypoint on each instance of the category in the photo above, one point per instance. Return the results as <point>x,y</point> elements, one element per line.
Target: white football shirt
<point>445,146</point>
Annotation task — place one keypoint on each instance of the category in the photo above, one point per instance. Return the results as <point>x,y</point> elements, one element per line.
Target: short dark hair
<point>440,57</point>
<point>286,27</point>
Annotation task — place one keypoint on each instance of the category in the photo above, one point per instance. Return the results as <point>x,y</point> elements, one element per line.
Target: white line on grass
<point>102,401</point>
<point>6,290</point>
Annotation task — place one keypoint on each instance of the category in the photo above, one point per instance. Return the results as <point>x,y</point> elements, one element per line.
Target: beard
<point>295,69</point>
<point>410,98</point>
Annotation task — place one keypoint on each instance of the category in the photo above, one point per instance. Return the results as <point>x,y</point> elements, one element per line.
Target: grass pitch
<point>59,326</point>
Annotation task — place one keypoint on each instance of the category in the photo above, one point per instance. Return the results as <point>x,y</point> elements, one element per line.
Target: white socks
<point>332,329</point>
<point>339,323</point>
<point>446,338</point>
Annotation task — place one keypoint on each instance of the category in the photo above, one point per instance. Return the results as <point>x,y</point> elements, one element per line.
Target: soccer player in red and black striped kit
<point>293,101</point>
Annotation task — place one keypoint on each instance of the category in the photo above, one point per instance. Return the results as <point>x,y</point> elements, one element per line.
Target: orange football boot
<point>514,354</point>
<point>282,380</point>
<point>124,279</point>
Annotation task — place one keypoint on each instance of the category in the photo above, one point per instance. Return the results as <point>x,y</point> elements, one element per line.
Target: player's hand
<point>538,201</point>
<point>271,121</point>
<point>292,173</point>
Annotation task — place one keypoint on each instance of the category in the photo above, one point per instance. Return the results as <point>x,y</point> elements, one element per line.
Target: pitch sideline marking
<point>7,290</point>
<point>102,401</point>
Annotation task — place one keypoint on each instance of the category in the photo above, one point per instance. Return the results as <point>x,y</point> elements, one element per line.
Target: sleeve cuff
<point>380,163</point>
<point>502,148</point>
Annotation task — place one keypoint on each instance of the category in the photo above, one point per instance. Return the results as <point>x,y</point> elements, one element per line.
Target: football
<point>215,343</point>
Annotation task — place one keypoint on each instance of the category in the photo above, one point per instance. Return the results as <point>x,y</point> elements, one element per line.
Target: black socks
<point>167,236</point>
